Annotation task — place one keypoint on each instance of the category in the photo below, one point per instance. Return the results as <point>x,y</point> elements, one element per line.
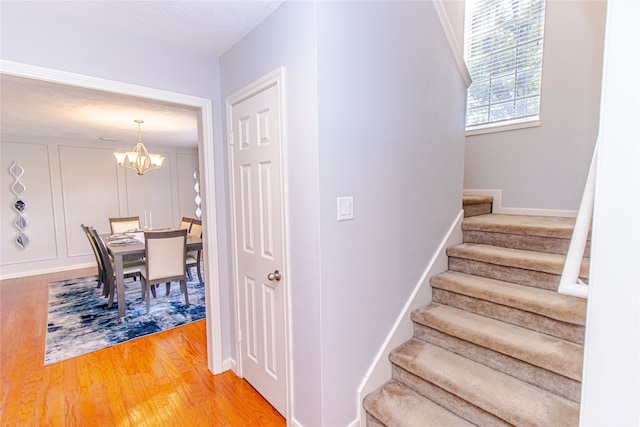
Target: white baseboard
<point>229,364</point>
<point>293,423</point>
<point>499,209</point>
<point>380,370</point>
<point>47,270</point>
<point>356,423</point>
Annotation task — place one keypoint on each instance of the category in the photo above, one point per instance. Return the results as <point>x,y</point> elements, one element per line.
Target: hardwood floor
<point>158,380</point>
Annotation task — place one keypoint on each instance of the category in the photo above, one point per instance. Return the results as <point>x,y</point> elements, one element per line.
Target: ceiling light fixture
<point>139,159</point>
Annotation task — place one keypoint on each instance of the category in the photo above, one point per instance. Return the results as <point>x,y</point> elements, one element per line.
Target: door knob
<point>274,276</point>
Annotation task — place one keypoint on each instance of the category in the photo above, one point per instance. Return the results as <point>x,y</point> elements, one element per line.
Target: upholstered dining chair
<point>165,255</point>
<point>120,225</point>
<point>185,223</point>
<point>194,257</point>
<point>130,269</point>
<point>94,246</point>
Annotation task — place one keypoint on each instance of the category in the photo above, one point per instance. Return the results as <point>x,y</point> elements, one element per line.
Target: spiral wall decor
<point>19,205</point>
<point>198,199</point>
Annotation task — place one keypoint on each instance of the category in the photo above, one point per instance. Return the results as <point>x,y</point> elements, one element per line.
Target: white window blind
<point>503,50</point>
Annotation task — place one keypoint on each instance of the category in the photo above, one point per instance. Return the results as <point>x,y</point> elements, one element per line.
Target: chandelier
<point>139,159</point>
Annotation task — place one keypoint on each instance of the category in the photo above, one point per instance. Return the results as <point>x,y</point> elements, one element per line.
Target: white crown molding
<point>453,41</point>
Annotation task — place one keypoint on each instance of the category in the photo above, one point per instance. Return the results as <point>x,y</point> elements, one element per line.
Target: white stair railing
<point>570,283</point>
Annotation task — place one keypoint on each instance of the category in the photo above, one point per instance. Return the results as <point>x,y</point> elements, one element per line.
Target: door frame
<point>204,111</point>
<point>274,78</point>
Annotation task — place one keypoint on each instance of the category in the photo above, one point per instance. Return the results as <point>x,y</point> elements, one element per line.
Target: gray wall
<point>47,34</point>
<point>546,167</point>
<point>375,111</point>
<point>389,131</point>
<point>287,38</point>
<point>391,134</point>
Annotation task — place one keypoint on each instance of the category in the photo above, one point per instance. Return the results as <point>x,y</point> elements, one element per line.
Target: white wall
<point>611,382</point>
<point>69,183</point>
<point>546,167</point>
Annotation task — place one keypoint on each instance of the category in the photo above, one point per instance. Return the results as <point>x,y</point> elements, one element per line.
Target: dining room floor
<point>157,380</point>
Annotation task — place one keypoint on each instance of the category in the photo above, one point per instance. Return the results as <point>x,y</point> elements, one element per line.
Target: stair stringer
<point>380,370</point>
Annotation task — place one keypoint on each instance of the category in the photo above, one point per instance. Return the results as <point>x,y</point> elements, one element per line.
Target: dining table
<point>130,245</point>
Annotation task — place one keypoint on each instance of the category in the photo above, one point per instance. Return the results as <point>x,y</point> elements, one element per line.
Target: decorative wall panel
<point>89,193</point>
<point>152,193</point>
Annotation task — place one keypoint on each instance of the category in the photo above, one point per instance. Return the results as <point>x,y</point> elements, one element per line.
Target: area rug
<point>79,321</point>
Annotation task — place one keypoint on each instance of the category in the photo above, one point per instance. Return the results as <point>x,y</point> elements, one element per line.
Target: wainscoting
<point>70,183</point>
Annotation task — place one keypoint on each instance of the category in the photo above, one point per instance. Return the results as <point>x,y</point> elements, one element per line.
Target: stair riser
<point>447,400</point>
<point>517,241</point>
<point>477,209</point>
<point>536,322</point>
<point>524,371</point>
<point>536,279</point>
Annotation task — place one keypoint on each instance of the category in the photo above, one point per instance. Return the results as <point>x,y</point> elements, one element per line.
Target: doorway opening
<point>204,110</point>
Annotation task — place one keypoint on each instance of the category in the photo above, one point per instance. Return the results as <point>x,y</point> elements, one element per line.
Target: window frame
<point>511,123</point>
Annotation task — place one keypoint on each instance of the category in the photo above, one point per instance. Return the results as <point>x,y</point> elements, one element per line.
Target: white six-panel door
<point>259,242</point>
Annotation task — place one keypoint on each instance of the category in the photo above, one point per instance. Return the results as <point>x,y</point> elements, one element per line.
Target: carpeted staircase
<point>498,345</point>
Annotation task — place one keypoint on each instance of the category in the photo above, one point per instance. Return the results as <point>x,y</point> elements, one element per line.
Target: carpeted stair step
<point>532,233</point>
<point>537,269</point>
<point>551,363</point>
<point>476,205</point>
<point>476,392</point>
<point>394,404</point>
<point>549,312</point>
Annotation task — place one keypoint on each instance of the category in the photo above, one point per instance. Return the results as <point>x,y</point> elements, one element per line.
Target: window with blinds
<point>503,51</point>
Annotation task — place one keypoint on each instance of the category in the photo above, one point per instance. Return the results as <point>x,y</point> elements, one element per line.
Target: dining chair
<point>121,225</point>
<point>101,273</point>
<point>165,261</point>
<point>130,269</point>
<point>194,257</point>
<point>185,223</point>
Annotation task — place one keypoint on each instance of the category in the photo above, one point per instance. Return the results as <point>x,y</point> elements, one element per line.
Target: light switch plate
<point>345,208</point>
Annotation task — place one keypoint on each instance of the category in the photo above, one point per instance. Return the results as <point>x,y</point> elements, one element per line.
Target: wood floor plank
<point>158,380</point>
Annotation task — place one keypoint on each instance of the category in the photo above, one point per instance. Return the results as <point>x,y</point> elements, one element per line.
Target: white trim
<point>499,209</point>
<point>574,289</point>
<point>453,41</point>
<point>570,283</point>
<point>47,270</point>
<point>274,78</point>
<point>229,364</point>
<point>292,422</point>
<point>206,152</point>
<point>503,128</point>
<point>355,423</point>
<point>380,370</point>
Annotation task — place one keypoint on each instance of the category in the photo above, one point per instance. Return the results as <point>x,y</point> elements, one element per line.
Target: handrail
<point>570,284</point>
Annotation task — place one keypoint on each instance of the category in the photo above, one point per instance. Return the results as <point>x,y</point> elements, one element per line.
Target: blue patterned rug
<point>79,321</point>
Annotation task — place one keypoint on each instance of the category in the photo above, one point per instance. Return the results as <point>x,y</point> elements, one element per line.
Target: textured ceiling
<point>207,26</point>
<point>39,109</point>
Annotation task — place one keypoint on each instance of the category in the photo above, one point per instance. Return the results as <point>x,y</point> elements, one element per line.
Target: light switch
<point>345,208</point>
